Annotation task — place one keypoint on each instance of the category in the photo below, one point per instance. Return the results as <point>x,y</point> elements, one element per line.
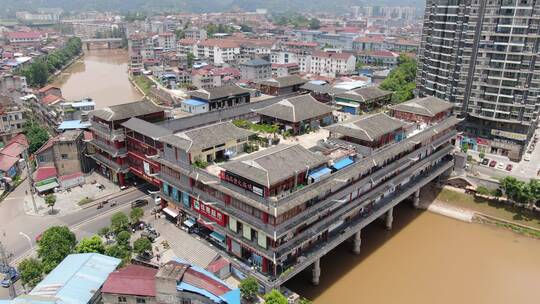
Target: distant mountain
<point>198,6</point>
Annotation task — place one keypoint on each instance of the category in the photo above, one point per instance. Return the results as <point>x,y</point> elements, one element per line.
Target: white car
<point>527,157</point>
<point>500,166</point>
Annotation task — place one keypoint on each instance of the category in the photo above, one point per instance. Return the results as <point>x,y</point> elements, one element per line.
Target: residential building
<point>195,33</point>
<point>493,79</point>
<point>363,99</point>
<point>281,85</point>
<point>65,284</point>
<point>297,114</point>
<point>12,121</point>
<point>133,284</point>
<point>109,138</point>
<point>222,97</point>
<point>285,69</point>
<point>166,41</point>
<point>24,39</point>
<point>136,45</point>
<point>380,58</point>
<point>256,69</point>
<point>332,64</point>
<point>194,106</point>
<point>428,110</point>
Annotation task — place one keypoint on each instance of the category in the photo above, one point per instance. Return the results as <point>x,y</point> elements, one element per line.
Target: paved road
<point>13,220</point>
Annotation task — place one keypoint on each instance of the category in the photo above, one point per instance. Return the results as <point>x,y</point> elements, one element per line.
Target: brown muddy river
<point>429,259</point>
<point>101,75</point>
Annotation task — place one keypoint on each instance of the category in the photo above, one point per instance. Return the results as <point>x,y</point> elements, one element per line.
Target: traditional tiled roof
<point>367,127</point>
<point>6,162</point>
<point>127,110</point>
<point>275,164</point>
<point>146,128</point>
<point>206,137</point>
<point>285,81</point>
<point>364,94</point>
<point>296,109</point>
<point>218,92</point>
<point>133,280</point>
<point>427,106</point>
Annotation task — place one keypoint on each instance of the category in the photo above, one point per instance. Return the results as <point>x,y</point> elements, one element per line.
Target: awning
<point>170,212</point>
<point>343,163</point>
<point>317,174</point>
<point>47,187</point>
<point>189,223</point>
<point>218,237</point>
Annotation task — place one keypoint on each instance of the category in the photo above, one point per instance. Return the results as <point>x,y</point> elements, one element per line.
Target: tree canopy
<point>248,287</point>
<point>521,192</point>
<point>119,222</point>
<point>123,238</point>
<point>31,271</point>
<point>36,134</point>
<point>118,251</point>
<point>55,244</point>
<point>92,244</point>
<point>141,245</point>
<point>401,80</point>
<point>136,214</point>
<point>50,200</point>
<point>275,297</point>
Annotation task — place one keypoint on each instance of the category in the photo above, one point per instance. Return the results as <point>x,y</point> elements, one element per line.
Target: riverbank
<point>465,207</point>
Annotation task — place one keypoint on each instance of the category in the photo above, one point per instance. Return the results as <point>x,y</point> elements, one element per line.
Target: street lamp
<point>28,238</point>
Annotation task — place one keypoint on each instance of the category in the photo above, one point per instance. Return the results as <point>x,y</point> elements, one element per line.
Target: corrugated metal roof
<point>77,278</point>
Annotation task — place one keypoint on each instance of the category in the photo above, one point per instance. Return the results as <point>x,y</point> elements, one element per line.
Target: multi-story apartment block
<point>12,121</point>
<point>256,69</point>
<point>481,55</point>
<point>195,33</point>
<point>332,64</point>
<point>136,44</point>
<point>166,41</point>
<point>381,58</point>
<point>24,39</point>
<point>275,212</point>
<point>109,136</point>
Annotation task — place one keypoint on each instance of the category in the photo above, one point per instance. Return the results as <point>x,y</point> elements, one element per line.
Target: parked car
<point>500,166</point>
<point>152,235</point>
<point>509,167</point>
<point>485,161</point>
<point>492,163</point>
<point>11,277</point>
<point>139,203</point>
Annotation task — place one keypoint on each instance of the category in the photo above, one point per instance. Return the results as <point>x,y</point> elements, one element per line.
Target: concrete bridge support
<point>416,199</point>
<point>389,218</point>
<point>316,272</point>
<point>357,242</point>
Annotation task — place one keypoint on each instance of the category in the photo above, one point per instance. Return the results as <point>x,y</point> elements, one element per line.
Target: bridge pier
<point>357,242</point>
<point>389,218</point>
<point>416,199</point>
<point>316,272</point>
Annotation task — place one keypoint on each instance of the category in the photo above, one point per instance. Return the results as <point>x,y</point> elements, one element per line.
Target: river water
<point>101,75</point>
<point>428,259</point>
<point>425,259</point>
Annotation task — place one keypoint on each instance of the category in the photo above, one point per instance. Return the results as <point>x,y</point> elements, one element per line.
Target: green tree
<point>31,271</point>
<point>275,297</point>
<point>465,148</point>
<point>245,28</point>
<point>122,238</point>
<point>50,200</point>
<point>482,155</point>
<point>55,244</point>
<point>141,245</point>
<point>119,251</point>
<point>92,244</point>
<point>401,80</point>
<point>119,222</point>
<point>314,24</point>
<point>136,214</point>
<point>190,59</point>
<point>103,231</point>
<point>36,134</point>
<point>249,288</point>
<point>304,301</point>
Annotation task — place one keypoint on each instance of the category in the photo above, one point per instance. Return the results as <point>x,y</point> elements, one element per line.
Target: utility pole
<point>29,179</point>
<point>4,262</point>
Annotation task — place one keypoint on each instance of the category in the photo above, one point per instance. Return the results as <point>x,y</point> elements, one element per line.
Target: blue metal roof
<point>319,172</point>
<point>77,278</point>
<point>73,124</point>
<point>194,102</point>
<point>343,163</point>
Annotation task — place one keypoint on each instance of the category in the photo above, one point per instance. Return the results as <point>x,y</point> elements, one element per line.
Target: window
<point>122,300</point>
<point>64,156</point>
<point>141,300</point>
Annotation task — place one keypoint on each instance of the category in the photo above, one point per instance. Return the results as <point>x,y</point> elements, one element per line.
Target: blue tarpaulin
<point>343,163</point>
<point>317,174</point>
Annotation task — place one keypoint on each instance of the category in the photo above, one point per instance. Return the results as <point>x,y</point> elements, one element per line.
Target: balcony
<point>111,150</point>
<point>106,132</point>
<point>110,163</point>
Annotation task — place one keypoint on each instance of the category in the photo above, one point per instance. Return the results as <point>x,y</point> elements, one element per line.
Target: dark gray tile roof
<point>367,127</point>
<point>427,106</point>
<point>285,81</point>
<point>275,164</point>
<point>323,89</point>
<point>146,128</point>
<point>206,137</point>
<point>127,110</point>
<point>364,94</point>
<point>218,92</point>
<point>296,109</point>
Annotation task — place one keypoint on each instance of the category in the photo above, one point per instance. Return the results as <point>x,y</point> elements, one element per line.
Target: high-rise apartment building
<point>482,56</point>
